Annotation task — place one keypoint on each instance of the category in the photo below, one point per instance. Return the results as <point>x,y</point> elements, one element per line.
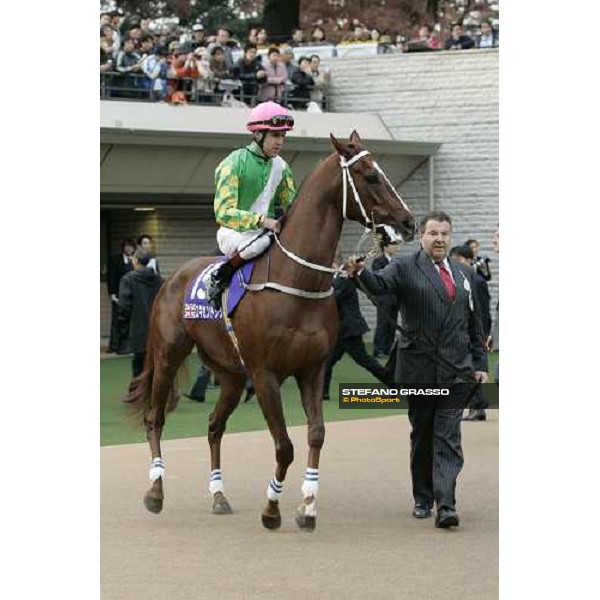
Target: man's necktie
<point>447,280</point>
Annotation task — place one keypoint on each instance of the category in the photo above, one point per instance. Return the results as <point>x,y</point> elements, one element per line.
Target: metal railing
<point>197,90</point>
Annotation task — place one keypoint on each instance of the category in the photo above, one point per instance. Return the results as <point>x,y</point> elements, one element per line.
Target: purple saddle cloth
<point>196,305</point>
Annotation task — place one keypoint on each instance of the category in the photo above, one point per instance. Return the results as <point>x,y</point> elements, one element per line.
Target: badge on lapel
<point>467,287</point>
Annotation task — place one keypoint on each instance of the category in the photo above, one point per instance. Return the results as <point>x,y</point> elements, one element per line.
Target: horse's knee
<point>316,436</point>
<point>284,452</point>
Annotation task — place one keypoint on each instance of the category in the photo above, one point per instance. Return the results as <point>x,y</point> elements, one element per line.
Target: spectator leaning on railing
<point>128,59</point>
<point>489,37</point>
<point>186,64</point>
<point>156,68</point>
<point>458,40</point>
<point>250,72</point>
<point>320,80</point>
<point>425,36</point>
<point>386,44</point>
<point>129,64</point>
<point>218,67</point>
<point>287,57</point>
<point>206,81</point>
<point>277,77</point>
<point>303,82</point>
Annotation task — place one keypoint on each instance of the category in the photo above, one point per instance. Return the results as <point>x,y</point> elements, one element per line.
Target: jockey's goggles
<point>279,121</point>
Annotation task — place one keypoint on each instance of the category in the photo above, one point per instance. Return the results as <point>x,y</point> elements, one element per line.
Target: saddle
<point>196,305</point>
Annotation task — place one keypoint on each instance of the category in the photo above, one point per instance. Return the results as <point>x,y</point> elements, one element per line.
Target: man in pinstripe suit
<point>440,317</point>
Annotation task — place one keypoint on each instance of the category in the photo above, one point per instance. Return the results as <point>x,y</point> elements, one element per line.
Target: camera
<point>482,265</point>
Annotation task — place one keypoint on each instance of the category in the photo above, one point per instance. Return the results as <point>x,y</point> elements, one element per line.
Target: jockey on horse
<point>249,182</point>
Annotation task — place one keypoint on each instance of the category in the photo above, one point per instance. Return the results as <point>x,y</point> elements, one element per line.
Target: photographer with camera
<point>480,263</point>
<point>156,67</point>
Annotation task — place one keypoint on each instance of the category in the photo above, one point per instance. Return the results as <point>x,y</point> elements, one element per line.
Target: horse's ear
<point>355,139</point>
<point>340,148</point>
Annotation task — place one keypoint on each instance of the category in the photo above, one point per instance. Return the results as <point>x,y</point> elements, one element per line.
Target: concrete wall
<point>447,97</point>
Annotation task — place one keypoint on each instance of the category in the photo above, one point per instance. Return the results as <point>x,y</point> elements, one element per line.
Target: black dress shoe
<point>195,398</point>
<point>421,511</point>
<point>446,517</point>
<point>475,414</point>
<point>325,396</point>
<point>479,415</point>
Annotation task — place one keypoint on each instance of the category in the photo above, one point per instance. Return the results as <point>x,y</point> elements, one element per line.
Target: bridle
<point>346,177</point>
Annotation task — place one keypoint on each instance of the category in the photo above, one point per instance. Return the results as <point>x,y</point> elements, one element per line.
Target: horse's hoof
<point>222,508</point>
<point>271,522</point>
<point>153,504</point>
<point>220,504</point>
<point>306,523</point>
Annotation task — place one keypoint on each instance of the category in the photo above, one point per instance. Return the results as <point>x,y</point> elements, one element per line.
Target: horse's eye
<point>372,177</point>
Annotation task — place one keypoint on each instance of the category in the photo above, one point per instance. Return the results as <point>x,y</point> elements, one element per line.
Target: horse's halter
<point>346,176</point>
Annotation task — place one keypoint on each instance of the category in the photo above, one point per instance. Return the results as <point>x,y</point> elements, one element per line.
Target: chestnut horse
<point>279,333</point>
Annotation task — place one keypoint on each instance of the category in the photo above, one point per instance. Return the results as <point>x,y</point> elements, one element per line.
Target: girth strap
<point>258,287</point>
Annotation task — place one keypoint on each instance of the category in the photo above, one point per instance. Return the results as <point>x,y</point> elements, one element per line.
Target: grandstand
<point>432,117</point>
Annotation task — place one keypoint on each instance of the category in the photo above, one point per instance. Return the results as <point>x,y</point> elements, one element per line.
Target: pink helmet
<point>270,116</point>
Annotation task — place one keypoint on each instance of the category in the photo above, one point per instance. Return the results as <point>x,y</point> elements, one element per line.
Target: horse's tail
<point>140,389</point>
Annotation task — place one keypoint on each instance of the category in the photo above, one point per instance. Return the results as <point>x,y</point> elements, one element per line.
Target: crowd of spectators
<point>148,60</point>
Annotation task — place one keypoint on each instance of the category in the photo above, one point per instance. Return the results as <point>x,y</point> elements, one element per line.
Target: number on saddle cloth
<point>196,305</point>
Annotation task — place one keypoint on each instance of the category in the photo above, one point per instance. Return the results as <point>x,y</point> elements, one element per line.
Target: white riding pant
<point>230,241</point>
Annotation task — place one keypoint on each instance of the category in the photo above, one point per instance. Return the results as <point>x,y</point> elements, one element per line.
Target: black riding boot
<point>220,278</point>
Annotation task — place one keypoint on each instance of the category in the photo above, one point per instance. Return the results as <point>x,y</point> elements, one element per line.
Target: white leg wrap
<point>216,482</point>
<point>274,490</point>
<point>310,486</point>
<point>157,469</point>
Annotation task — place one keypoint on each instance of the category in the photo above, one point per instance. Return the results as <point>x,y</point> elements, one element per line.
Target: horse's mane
<point>289,211</point>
